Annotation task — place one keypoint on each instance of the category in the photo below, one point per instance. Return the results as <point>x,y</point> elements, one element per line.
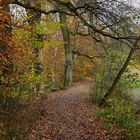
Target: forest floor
<point>69,115</point>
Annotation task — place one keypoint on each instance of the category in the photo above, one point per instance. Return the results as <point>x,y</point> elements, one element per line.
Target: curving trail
<point>68,115</point>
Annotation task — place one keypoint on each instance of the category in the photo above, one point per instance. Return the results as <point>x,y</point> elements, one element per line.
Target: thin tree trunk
<point>68,81</point>
<point>119,75</point>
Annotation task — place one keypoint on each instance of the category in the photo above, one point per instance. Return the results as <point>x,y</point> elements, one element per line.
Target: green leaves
<point>38,36</point>
<point>119,112</point>
<point>47,28</point>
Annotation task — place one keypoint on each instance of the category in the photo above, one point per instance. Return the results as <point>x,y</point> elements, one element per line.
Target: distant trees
<point>104,19</point>
<point>76,38</point>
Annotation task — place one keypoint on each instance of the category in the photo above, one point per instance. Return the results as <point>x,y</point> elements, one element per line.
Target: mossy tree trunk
<point>68,79</point>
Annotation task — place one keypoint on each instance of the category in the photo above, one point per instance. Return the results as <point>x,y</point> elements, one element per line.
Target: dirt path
<point>68,115</point>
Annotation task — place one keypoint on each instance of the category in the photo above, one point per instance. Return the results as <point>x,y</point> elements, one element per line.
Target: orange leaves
<point>7,47</point>
<point>3,2</point>
<point>1,8</point>
<point>5,21</point>
<point>5,18</point>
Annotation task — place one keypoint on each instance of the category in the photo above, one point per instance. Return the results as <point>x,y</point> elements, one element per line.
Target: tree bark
<point>68,80</point>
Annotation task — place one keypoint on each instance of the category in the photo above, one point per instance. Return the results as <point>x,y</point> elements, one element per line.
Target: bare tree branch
<point>53,11</point>
<point>91,58</point>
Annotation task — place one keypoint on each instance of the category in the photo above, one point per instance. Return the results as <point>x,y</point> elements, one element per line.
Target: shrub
<point>119,110</point>
<point>121,113</point>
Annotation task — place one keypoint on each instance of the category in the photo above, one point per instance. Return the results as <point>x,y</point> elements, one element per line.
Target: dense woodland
<point>69,70</point>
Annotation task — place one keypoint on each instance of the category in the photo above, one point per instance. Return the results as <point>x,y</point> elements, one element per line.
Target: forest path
<point>68,115</point>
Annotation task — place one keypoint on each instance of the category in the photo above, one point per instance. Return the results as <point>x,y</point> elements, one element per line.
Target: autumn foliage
<point>48,46</point>
<point>6,45</point>
<point>15,59</point>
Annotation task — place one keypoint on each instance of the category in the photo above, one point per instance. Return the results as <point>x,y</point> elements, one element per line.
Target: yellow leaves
<point>53,43</point>
<point>47,28</point>
<point>65,1</point>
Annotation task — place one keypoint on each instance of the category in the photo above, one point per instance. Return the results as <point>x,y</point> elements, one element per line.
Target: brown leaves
<point>67,116</point>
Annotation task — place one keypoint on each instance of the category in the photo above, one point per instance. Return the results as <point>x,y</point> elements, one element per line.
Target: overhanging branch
<point>53,11</point>
<point>74,10</point>
<point>91,58</point>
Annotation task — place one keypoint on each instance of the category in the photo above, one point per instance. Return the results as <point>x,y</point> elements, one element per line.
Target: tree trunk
<point>34,18</point>
<point>68,81</point>
<point>119,75</point>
